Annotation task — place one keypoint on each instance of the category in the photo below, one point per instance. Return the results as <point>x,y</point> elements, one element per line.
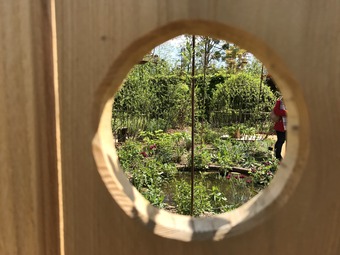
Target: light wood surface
<point>98,42</point>
<point>298,41</point>
<point>29,221</point>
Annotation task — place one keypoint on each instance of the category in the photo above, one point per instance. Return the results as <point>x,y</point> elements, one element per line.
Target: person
<point>280,126</point>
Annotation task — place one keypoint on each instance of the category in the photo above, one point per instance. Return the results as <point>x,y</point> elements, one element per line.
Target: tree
<point>242,95</point>
<point>236,58</point>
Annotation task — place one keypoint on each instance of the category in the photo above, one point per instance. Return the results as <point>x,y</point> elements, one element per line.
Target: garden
<point>193,135</point>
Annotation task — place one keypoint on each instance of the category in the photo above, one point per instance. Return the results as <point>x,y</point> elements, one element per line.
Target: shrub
<point>240,99</point>
<point>182,198</point>
<point>202,158</point>
<point>154,195</point>
<point>129,154</point>
<point>181,145</point>
<point>264,173</point>
<point>218,200</point>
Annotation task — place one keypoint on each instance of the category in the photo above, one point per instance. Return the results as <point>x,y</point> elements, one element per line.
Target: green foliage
<point>155,195</point>
<point>129,155</point>
<point>153,125</point>
<point>179,112</point>
<point>208,199</point>
<point>182,198</point>
<point>202,201</point>
<point>181,145</point>
<point>242,97</point>
<point>146,167</point>
<point>205,134</point>
<point>150,165</point>
<point>165,149</point>
<point>240,189</point>
<point>160,99</point>
<point>149,101</point>
<point>155,97</point>
<point>229,153</point>
<point>202,158</point>
<point>149,178</point>
<point>264,173</point>
<point>133,123</point>
<point>223,154</point>
<point>254,67</point>
<point>147,174</point>
<point>218,200</point>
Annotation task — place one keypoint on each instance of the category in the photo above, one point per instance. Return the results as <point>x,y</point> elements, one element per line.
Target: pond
<point>158,165</point>
<point>215,192</point>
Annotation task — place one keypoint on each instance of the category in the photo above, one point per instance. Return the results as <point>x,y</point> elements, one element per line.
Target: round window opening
<point>198,136</point>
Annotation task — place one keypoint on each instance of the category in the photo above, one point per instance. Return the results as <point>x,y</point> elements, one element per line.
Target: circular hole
<point>184,227</point>
<point>233,157</point>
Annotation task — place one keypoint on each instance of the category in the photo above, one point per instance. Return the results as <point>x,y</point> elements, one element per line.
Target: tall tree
<point>236,58</point>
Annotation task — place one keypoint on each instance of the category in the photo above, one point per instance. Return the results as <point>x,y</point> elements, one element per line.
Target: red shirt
<point>279,112</point>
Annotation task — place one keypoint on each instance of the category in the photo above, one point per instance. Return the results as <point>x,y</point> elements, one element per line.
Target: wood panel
<point>28,173</point>
<point>98,41</point>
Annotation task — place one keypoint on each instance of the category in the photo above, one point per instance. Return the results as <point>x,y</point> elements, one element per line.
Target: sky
<point>170,50</point>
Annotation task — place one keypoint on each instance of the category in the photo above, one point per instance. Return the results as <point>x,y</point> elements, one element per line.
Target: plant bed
<point>227,173</point>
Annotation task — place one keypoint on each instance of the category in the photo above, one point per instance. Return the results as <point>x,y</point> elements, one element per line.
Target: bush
<point>182,198</point>
<point>129,154</point>
<point>240,98</point>
<point>154,195</point>
<point>218,200</point>
<point>202,158</point>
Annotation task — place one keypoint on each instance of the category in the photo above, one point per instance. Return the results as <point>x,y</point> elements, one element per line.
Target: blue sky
<point>170,50</point>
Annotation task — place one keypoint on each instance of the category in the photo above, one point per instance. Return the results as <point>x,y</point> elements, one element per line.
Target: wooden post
<point>29,222</point>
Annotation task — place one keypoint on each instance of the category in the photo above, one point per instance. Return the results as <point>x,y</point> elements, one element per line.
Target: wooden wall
<point>97,44</point>
<point>29,222</point>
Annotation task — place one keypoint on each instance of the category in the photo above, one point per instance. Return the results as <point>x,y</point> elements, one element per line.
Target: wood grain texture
<point>28,174</point>
<point>99,41</point>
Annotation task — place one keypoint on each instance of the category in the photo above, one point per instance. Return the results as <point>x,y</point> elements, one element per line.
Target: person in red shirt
<point>280,126</point>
